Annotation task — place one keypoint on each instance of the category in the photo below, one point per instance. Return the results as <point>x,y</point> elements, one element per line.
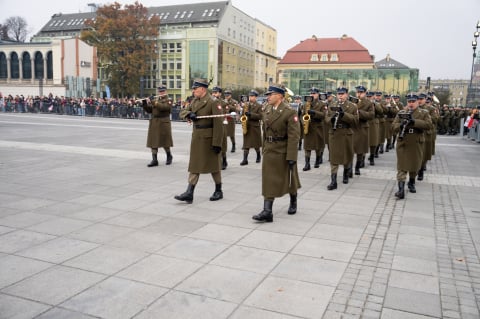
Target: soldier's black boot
<point>245,158</point>
<point>357,167</point>
<point>169,158</point>
<point>420,174</point>
<point>233,148</point>
<point>224,162</point>
<point>392,146</point>
<point>387,149</point>
<point>333,183</point>
<point>217,194</point>
<point>292,209</point>
<point>345,175</point>
<point>380,149</point>
<point>362,162</point>
<point>372,161</point>
<point>300,145</point>
<point>259,157</point>
<point>188,195</point>
<point>154,161</point>
<point>401,190</point>
<point>376,151</point>
<point>266,214</point>
<point>307,163</point>
<point>350,171</point>
<point>411,185</point>
<point>317,162</point>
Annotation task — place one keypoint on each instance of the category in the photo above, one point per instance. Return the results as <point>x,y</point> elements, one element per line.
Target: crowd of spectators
<point>100,107</point>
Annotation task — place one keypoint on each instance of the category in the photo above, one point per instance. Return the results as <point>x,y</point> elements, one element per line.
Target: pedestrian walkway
<point>88,231</point>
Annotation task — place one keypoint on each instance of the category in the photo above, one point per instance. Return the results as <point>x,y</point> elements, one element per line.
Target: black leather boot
<point>357,167</point>
<point>362,162</point>
<point>411,185</point>
<point>169,158</point>
<point>188,195</point>
<point>217,194</point>
<point>420,174</point>
<point>300,145</point>
<point>320,161</point>
<point>224,162</point>
<point>307,163</point>
<point>387,149</point>
<point>259,157</point>
<point>350,171</point>
<point>292,209</point>
<point>381,148</point>
<point>333,183</point>
<point>376,151</point>
<point>372,161</point>
<point>233,148</point>
<point>245,158</point>
<point>345,175</point>
<point>154,161</point>
<point>401,190</point>
<point>317,162</point>
<point>266,214</point>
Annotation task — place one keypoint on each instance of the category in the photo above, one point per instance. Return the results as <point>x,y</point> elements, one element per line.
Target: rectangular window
<point>334,57</point>
<point>164,47</point>
<point>179,64</point>
<point>314,57</point>
<point>172,47</point>
<point>171,65</point>
<point>171,82</point>
<point>324,57</point>
<point>179,46</point>
<point>179,81</point>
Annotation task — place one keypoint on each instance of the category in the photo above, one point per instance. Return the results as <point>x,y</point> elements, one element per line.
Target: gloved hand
<point>412,121</point>
<point>311,112</point>
<point>341,112</point>
<point>248,113</point>
<point>192,116</point>
<point>291,164</point>
<point>217,149</point>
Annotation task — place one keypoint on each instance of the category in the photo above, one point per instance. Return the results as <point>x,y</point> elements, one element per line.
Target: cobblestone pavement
<point>88,231</point>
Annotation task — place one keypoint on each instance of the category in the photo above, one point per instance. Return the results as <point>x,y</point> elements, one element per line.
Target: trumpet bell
<point>290,92</point>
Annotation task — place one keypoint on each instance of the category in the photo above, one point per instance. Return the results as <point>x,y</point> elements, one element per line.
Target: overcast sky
<point>434,36</point>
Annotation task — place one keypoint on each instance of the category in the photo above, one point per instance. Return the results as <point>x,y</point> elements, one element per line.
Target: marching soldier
<point>433,110</point>
<point>232,106</point>
<point>205,113</point>
<point>410,124</point>
<point>217,96</point>
<point>314,138</point>
<point>390,114</point>
<point>428,145</point>
<point>298,100</point>
<point>159,125</point>
<point>400,107</point>
<point>373,127</point>
<point>341,116</point>
<point>366,113</point>
<point>252,138</point>
<point>381,104</point>
<point>281,133</point>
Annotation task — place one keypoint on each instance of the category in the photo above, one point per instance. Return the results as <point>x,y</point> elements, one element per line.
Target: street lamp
<point>471,91</point>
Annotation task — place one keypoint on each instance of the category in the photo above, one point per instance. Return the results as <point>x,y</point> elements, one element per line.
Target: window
<point>334,57</point>
<point>172,47</point>
<point>314,57</point>
<point>171,65</point>
<point>324,57</point>
<point>179,64</point>
<point>164,65</point>
<point>179,81</point>
<point>171,82</point>
<point>164,47</point>
<point>179,46</point>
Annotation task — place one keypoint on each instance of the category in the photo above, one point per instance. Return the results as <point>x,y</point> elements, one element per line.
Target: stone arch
<point>39,70</point>
<point>14,66</point>
<point>49,65</point>
<point>26,65</point>
<point>3,66</point>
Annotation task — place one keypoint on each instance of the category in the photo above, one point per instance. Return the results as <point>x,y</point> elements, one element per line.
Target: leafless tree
<point>16,28</point>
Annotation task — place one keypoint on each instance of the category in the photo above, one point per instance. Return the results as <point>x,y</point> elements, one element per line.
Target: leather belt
<point>414,130</point>
<point>160,116</point>
<point>204,126</point>
<point>343,125</point>
<point>272,139</point>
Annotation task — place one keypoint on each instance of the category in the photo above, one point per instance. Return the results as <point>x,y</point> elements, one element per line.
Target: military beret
<point>342,89</point>
<point>411,97</point>
<point>361,88</point>
<point>217,89</point>
<point>422,96</point>
<point>161,88</point>
<point>253,93</point>
<point>275,89</point>
<point>314,90</point>
<point>199,83</point>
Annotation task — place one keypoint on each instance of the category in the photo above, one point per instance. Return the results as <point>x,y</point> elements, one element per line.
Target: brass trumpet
<point>306,117</point>
<point>244,119</point>
<point>147,98</point>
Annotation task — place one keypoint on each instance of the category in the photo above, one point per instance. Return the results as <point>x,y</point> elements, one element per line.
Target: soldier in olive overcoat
<point>366,113</point>
<point>341,117</point>
<point>231,106</point>
<point>252,138</point>
<point>410,123</point>
<point>159,125</point>
<point>217,96</point>
<point>390,114</point>
<point>429,134</point>
<point>205,113</point>
<point>281,133</point>
<point>315,137</point>
<point>373,128</point>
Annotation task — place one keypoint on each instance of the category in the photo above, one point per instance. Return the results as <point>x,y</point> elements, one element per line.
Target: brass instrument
<point>244,118</point>
<point>405,117</point>
<point>147,98</point>
<point>306,117</point>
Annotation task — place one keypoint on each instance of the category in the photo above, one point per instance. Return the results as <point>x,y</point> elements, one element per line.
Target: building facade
<point>327,63</point>
<point>458,89</point>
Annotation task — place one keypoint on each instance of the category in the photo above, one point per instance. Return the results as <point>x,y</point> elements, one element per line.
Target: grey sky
<point>434,36</point>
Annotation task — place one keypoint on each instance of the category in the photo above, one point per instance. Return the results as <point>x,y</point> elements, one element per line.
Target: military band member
<point>381,110</point>
<point>252,138</point>
<point>366,113</point>
<point>314,139</point>
<point>341,117</point>
<point>159,125</point>
<point>410,123</point>
<point>400,106</point>
<point>429,141</point>
<point>373,128</point>
<point>434,114</point>
<point>206,143</point>
<point>281,133</point>
<point>232,106</point>
<point>298,100</point>
<point>217,95</point>
<point>390,114</point>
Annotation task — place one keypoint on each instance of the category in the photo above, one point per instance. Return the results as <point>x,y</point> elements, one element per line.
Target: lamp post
<point>471,93</point>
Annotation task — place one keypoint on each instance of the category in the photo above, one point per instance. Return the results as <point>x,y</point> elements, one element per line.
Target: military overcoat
<point>410,148</point>
<point>231,106</point>
<point>281,134</point>
<point>159,126</point>
<point>366,113</point>
<point>253,138</point>
<point>341,139</point>
<point>207,132</point>
<point>315,139</point>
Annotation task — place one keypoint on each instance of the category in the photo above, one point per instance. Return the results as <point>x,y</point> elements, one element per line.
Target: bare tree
<point>17,28</point>
<point>3,32</point>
